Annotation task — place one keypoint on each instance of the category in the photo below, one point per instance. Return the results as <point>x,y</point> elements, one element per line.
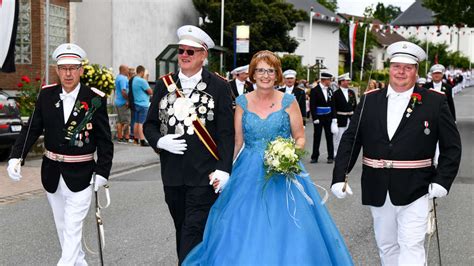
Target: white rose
<point>276,163</point>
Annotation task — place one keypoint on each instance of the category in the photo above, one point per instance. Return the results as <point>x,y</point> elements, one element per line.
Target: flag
<point>8,28</point>
<point>352,39</point>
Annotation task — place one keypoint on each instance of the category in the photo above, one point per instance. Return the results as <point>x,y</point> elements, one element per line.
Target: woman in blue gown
<point>253,223</point>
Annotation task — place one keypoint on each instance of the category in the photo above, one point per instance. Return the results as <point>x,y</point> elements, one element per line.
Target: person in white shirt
<point>397,129</point>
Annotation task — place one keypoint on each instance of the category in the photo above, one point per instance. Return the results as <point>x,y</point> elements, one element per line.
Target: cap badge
<point>404,46</point>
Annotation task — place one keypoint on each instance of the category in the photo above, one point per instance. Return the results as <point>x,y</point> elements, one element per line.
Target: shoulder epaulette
<point>440,92</point>
<point>49,86</point>
<point>98,92</point>
<point>169,74</point>
<point>371,91</point>
<point>219,75</point>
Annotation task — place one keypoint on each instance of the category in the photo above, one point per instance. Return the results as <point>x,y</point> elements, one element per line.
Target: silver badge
<point>190,130</point>
<point>80,143</point>
<point>179,129</point>
<point>408,115</point>
<point>57,104</point>
<point>195,98</point>
<point>427,131</point>
<point>170,111</point>
<point>181,108</point>
<point>202,109</point>
<point>171,98</point>
<point>187,121</point>
<point>211,104</point>
<point>172,87</point>
<point>172,121</point>
<point>409,110</point>
<point>210,117</point>
<point>203,121</point>
<point>74,114</point>
<point>201,86</point>
<point>204,99</point>
<point>163,103</point>
<point>163,129</point>
<point>193,116</point>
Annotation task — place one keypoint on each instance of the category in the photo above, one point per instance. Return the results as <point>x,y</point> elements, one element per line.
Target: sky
<point>357,7</point>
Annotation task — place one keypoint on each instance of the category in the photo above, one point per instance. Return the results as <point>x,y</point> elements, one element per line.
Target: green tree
<point>386,13</point>
<point>329,4</point>
<point>270,22</point>
<point>293,62</point>
<point>451,12</point>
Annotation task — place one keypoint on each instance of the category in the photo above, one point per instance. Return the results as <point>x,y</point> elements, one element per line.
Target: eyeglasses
<point>189,52</point>
<point>70,69</point>
<point>262,71</point>
<point>404,68</point>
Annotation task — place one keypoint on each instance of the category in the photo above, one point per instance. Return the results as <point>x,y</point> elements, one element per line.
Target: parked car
<point>10,124</point>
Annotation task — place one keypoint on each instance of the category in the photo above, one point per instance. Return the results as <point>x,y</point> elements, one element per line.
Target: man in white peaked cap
<point>289,77</point>
<point>75,124</point>
<point>345,102</point>
<point>240,85</point>
<point>397,129</point>
<point>189,109</point>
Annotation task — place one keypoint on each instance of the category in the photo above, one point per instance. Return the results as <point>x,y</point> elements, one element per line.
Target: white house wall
<point>324,44</point>
<point>131,32</point>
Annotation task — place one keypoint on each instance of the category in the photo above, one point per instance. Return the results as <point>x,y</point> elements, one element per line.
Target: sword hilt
<point>344,188</point>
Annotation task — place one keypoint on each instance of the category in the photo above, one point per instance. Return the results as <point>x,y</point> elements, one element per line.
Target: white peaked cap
<point>195,37</point>
<point>69,53</point>
<point>405,52</point>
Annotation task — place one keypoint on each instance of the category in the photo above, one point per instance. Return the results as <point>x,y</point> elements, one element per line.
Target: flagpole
<point>427,54</point>
<point>222,37</point>
<point>363,55</point>
<point>46,71</point>
<point>311,14</point>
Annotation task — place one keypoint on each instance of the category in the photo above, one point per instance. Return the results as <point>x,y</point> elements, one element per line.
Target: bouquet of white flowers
<point>282,157</point>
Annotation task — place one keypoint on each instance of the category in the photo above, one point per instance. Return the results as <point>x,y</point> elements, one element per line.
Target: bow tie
<point>64,96</point>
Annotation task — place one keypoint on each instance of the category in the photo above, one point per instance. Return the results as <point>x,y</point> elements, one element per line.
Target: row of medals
<point>180,112</point>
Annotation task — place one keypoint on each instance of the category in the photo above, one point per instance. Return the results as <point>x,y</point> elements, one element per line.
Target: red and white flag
<point>8,28</point>
<point>352,38</point>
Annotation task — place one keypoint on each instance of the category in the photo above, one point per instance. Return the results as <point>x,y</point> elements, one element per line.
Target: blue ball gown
<point>275,225</point>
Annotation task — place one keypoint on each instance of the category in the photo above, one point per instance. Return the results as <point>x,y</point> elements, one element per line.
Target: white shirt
<point>240,86</point>
<point>69,101</point>
<point>189,83</point>
<point>396,107</point>
<point>325,92</point>
<point>437,86</point>
<point>345,91</point>
<point>289,90</point>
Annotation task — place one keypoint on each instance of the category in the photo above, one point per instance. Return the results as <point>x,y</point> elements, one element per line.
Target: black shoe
<point>330,160</point>
<point>313,161</point>
<point>144,143</point>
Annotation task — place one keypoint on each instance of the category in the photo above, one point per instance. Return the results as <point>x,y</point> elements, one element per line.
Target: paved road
<point>139,230</point>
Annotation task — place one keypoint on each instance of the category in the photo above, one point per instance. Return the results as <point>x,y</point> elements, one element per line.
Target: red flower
<point>85,106</point>
<point>25,79</point>
<point>416,97</point>
<point>20,84</point>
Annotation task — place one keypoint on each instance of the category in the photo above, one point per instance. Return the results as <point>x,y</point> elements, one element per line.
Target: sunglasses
<point>189,52</point>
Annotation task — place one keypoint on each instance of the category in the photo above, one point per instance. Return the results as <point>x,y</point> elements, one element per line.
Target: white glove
<point>171,144</point>
<point>14,169</point>
<point>100,181</point>
<point>337,190</point>
<point>436,191</point>
<point>334,128</point>
<point>223,178</point>
<point>316,121</point>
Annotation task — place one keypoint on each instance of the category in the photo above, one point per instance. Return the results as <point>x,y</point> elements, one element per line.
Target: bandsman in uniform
<point>421,82</point>
<point>398,131</point>
<point>289,77</point>
<point>324,117</point>
<point>74,121</point>
<point>190,124</point>
<point>345,102</point>
<point>437,83</point>
<point>240,84</point>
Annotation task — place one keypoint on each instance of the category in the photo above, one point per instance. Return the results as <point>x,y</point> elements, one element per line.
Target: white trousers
<point>69,210</point>
<point>400,231</point>
<point>336,138</point>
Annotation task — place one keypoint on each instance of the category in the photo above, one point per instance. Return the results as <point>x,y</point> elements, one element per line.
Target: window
<point>299,31</point>
<point>23,37</point>
<point>57,28</point>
